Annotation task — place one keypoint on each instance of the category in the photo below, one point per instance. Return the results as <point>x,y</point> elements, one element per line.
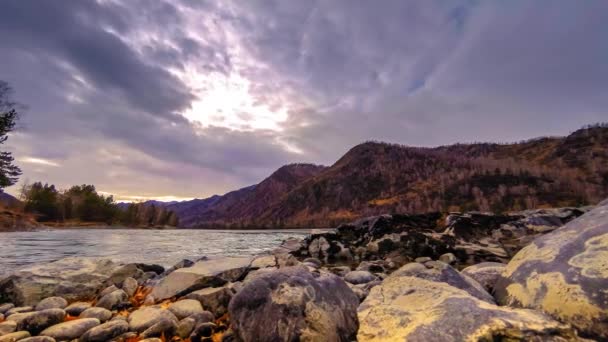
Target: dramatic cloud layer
<point>190,98</point>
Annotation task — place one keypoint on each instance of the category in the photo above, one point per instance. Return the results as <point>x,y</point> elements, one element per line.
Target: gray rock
<point>7,327</point>
<point>309,306</point>
<point>185,327</point>
<point>359,277</point>
<point>70,278</point>
<point>41,320</point>
<point>101,314</point>
<point>264,261</point>
<point>16,336</point>
<point>38,339</point>
<point>75,309</point>
<point>442,272</point>
<point>448,258</point>
<point>163,326</point>
<point>130,286</point>
<point>52,303</point>
<point>214,299</point>
<point>5,307</point>
<point>314,261</point>
<point>18,317</point>
<point>203,331</point>
<point>124,337</point>
<point>373,267</point>
<point>207,273</point>
<point>184,308</point>
<point>126,271</point>
<point>340,271</point>
<point>108,290</point>
<point>71,329</point>
<point>113,300</point>
<point>565,274</point>
<point>485,273</point>
<point>105,332</point>
<point>258,273</point>
<point>146,317</point>
<point>20,309</point>
<point>203,317</point>
<point>422,260</point>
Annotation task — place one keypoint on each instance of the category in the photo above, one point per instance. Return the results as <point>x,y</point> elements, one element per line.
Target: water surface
<point>164,247</point>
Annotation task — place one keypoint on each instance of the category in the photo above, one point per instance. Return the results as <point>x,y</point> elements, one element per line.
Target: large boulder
<point>485,273</point>
<point>206,273</point>
<point>416,309</point>
<point>294,304</point>
<point>70,278</point>
<point>565,274</point>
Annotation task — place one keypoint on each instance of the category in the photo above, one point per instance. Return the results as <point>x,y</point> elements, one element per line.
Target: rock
<point>258,273</point>
<point>441,272</point>
<point>264,261</point>
<point>71,278</point>
<point>7,327</point>
<point>565,274</point>
<point>101,314</point>
<point>293,303</point>
<point>202,331</point>
<point>373,267</point>
<point>52,303</point>
<point>208,273</point>
<point>184,263</point>
<point>108,290</point>
<point>186,307</point>
<point>359,277</point>
<point>485,273</point>
<point>38,339</point>
<point>41,320</point>
<point>214,299</point>
<point>129,286</point>
<point>286,260</point>
<point>203,317</point>
<point>5,307</point>
<point>314,261</point>
<point>164,326</point>
<point>126,271</point>
<point>340,271</point>
<point>71,329</point>
<point>16,336</point>
<point>128,336</point>
<point>75,309</point>
<point>146,317</point>
<point>154,339</point>
<point>422,260</point>
<point>18,317</point>
<point>448,258</point>
<point>416,309</point>
<point>20,309</point>
<point>105,332</point>
<point>113,300</point>
<point>185,327</point>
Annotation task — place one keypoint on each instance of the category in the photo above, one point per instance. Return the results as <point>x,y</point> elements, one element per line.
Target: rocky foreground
<point>537,275</point>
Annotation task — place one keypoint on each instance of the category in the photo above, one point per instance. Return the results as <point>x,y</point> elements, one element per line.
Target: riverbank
<point>389,277</point>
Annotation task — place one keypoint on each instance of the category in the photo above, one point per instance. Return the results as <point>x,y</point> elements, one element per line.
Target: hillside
<point>375,178</point>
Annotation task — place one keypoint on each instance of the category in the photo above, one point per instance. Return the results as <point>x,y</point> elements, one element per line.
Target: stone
<point>442,272</point>
<point>38,339</point>
<point>41,320</point>
<point>185,327</point>
<point>258,273</point>
<point>113,300</point>
<point>105,332</point>
<point>75,309</point>
<point>18,317</point>
<point>126,271</point>
<point>101,314</point>
<point>184,263</point>
<point>71,278</point>
<point>485,273</point>
<point>7,327</point>
<point>214,299</point>
<point>125,337</point>
<point>52,303</point>
<point>143,318</point>
<point>71,329</point>
<point>163,326</point>
<point>422,260</point>
<point>5,307</point>
<point>16,336</point>
<point>202,331</point>
<point>264,261</point>
<point>20,309</point>
<point>419,310</point>
<point>448,258</point>
<point>565,274</point>
<point>314,261</point>
<point>373,267</point>
<point>340,271</point>
<point>294,304</point>
<point>154,339</point>
<point>318,247</point>
<point>203,317</point>
<point>207,273</point>
<point>108,290</point>
<point>129,285</point>
<point>359,277</point>
<point>186,307</point>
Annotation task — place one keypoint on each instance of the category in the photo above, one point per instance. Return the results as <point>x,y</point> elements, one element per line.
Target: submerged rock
<point>565,274</point>
<point>294,304</point>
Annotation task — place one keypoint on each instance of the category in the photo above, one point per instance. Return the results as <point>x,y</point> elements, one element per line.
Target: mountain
<point>375,178</point>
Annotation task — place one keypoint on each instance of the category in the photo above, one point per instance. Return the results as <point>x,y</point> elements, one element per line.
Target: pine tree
<point>9,173</point>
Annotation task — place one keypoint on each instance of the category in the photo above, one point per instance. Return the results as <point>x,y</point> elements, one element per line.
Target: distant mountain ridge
<point>374,178</point>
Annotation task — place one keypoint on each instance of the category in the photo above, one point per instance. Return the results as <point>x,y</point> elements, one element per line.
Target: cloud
<point>191,98</point>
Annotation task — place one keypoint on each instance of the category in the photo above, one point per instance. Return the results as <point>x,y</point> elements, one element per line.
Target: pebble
<point>16,336</point>
<point>20,309</point>
<point>113,300</point>
<point>70,330</point>
<point>52,303</point>
<point>75,309</point>
<point>100,313</point>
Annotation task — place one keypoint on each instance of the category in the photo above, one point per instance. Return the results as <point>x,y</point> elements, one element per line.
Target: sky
<point>179,99</point>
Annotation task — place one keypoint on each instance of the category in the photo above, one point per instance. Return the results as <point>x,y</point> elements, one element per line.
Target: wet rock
<point>202,331</point>
<point>164,326</point>
<point>185,327</point>
<point>184,308</point>
<point>564,273</point>
<point>52,303</point>
<point>214,299</point>
<point>146,317</point>
<point>5,307</point>
<point>293,303</point>
<point>105,332</point>
<point>71,278</point>
<point>38,339</point>
<point>41,320</point>
<point>208,273</point>
<point>415,309</point>
<point>20,309</point>
<point>75,309</point>
<point>441,272</point>
<point>101,314</point>
<point>71,329</point>
<point>448,258</point>
<point>113,300</point>
<point>129,286</point>
<point>16,336</point>
<point>359,277</point>
<point>7,327</point>
<point>485,273</point>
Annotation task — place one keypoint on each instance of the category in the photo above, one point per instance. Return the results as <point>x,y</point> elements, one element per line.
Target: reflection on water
<point>164,247</point>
